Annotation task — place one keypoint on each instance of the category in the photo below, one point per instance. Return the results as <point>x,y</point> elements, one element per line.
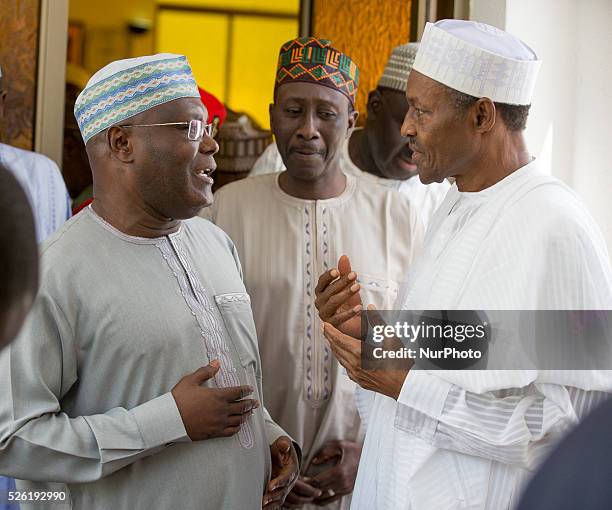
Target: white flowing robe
<point>468,439</point>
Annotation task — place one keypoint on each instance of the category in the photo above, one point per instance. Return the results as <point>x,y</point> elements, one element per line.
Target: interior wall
<point>107,37</point>
<point>366,31</point>
<point>592,167</point>
<point>569,121</point>
<point>18,59</point>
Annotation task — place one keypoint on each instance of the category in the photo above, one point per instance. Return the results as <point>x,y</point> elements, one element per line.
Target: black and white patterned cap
<point>395,75</point>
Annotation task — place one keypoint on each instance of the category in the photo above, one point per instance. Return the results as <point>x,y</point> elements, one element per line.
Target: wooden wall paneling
<point>366,31</point>
<point>19,29</point>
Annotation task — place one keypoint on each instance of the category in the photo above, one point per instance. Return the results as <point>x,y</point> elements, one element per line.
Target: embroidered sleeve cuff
<point>420,403</point>
<point>160,422</point>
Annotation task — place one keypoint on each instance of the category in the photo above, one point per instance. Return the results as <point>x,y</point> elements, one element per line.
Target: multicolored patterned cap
<point>125,88</point>
<point>315,61</point>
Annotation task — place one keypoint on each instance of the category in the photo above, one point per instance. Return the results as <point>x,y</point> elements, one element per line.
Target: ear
<point>120,144</point>
<point>271,112</point>
<point>374,103</point>
<point>484,115</point>
<point>2,101</point>
<point>352,121</point>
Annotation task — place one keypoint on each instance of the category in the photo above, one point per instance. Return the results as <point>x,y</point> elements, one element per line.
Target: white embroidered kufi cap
<point>479,60</point>
<point>395,75</point>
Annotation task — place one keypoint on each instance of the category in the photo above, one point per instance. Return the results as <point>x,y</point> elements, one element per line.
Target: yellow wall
<point>253,67</point>
<point>288,6</point>
<point>202,36</point>
<point>106,22</point>
<point>246,83</point>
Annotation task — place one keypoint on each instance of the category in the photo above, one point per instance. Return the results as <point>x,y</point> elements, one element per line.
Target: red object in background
<point>216,109</point>
<point>77,208</point>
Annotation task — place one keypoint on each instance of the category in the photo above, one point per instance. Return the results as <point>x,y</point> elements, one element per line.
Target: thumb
<point>203,374</point>
<point>283,445</point>
<point>344,265</point>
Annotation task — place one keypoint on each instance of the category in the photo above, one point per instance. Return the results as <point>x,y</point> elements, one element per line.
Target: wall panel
<point>19,26</point>
<point>367,31</point>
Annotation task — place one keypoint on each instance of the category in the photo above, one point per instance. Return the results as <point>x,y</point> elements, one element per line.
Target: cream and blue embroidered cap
<point>128,87</point>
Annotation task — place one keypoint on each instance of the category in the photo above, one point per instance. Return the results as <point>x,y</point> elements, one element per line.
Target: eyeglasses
<point>196,131</point>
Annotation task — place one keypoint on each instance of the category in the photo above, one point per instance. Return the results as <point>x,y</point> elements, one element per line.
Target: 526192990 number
<point>31,496</point>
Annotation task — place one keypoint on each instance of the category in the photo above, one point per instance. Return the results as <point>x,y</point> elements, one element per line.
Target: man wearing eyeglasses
<point>139,359</point>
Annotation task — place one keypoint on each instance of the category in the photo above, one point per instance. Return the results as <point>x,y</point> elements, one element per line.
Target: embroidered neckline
<point>348,192</point>
<point>126,237</point>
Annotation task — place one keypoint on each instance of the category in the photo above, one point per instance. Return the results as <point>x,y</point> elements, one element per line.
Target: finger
<point>305,490</point>
<point>337,286</point>
<point>237,419</point>
<point>272,497</point>
<point>341,354</point>
<point>329,308</point>
<point>325,279</point>
<point>283,479</point>
<point>327,479</point>
<point>234,393</point>
<point>340,318</point>
<point>230,431</point>
<point>344,265</point>
<point>202,374</point>
<point>347,353</point>
<point>242,406</point>
<point>282,450</point>
<point>341,341</point>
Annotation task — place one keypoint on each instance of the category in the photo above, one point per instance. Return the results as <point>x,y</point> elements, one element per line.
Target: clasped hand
<point>339,304</point>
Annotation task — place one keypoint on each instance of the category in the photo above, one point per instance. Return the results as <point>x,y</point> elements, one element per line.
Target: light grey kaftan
<point>85,397</point>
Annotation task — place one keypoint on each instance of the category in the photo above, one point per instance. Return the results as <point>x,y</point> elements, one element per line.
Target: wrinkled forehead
<point>421,88</point>
<point>310,92</point>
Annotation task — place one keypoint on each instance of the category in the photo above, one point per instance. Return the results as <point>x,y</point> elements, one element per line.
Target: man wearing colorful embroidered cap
<point>506,237</point>
<point>139,359</point>
<point>312,214</point>
<point>378,153</point>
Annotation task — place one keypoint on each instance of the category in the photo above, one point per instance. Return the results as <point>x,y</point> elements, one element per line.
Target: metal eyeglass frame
<point>196,132</point>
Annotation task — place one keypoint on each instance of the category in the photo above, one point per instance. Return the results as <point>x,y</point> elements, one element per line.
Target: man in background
<point>289,227</point>
<point>378,152</point>
<point>40,178</point>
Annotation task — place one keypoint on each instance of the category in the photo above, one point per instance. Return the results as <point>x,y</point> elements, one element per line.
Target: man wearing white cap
<point>378,153</point>
<point>506,237</point>
<point>140,349</point>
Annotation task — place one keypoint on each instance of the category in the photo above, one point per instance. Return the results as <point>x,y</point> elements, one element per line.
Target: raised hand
<point>338,300</point>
